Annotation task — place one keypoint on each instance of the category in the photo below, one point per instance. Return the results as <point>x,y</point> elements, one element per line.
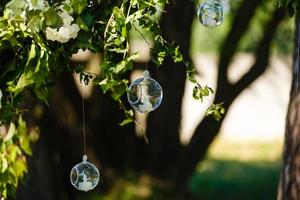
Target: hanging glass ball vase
<point>84,176</point>
<point>210,13</point>
<point>145,94</point>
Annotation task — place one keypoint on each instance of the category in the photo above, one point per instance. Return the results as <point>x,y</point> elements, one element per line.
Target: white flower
<point>52,34</point>
<point>37,4</point>
<point>64,33</point>
<point>67,19</point>
<point>74,29</point>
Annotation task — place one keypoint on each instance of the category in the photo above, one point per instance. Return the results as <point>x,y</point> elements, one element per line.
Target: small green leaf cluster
<point>216,110</point>
<point>201,92</point>
<point>15,143</point>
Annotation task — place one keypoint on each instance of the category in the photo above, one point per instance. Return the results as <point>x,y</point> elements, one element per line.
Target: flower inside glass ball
<point>84,176</point>
<point>145,94</point>
<point>210,14</point>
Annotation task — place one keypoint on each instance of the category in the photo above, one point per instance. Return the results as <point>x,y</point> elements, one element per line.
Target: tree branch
<point>239,27</point>
<point>262,54</point>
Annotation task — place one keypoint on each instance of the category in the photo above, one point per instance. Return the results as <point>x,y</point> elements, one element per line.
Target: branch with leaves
<point>37,38</point>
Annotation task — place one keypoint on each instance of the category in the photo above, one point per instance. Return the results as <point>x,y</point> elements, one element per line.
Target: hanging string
<point>148,49</point>
<point>83,83</point>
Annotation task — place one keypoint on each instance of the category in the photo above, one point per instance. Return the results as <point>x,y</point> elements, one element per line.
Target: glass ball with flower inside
<point>84,176</point>
<point>210,14</point>
<point>145,94</point>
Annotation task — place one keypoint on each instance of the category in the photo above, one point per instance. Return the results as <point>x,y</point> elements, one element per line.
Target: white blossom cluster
<point>64,33</point>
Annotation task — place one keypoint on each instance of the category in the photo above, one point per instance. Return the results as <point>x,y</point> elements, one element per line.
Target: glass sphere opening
<point>145,94</point>
<point>134,93</point>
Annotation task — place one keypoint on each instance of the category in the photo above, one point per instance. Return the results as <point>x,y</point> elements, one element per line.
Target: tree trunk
<point>289,185</point>
<point>164,123</point>
<point>113,144</point>
<point>59,147</point>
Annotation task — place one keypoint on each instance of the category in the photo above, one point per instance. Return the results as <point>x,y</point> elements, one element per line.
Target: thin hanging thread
<point>149,50</point>
<point>146,65</point>
<point>83,116</point>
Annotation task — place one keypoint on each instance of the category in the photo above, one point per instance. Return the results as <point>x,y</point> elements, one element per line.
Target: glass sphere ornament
<point>84,176</point>
<point>210,13</point>
<point>145,94</point>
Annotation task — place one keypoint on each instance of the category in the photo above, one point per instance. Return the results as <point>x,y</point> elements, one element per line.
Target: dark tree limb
<point>262,54</point>
<point>240,25</point>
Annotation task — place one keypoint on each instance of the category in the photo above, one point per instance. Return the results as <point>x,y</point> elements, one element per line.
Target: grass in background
<point>240,170</point>
<point>234,171</point>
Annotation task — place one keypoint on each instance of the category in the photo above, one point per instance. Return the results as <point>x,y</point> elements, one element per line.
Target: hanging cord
<point>147,42</point>
<point>83,113</point>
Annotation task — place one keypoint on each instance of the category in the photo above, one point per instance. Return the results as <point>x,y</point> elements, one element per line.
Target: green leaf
<point>35,21</point>
<point>19,167</point>
<point>129,117</point>
<point>3,164</point>
<point>177,56</point>
<point>199,92</point>
<point>24,140</point>
<point>42,93</point>
<point>79,5</point>
<point>85,21</point>
<point>11,132</point>
<point>126,121</point>
<point>190,74</point>
<point>52,19</point>
<point>119,89</point>
<point>26,78</point>
<point>14,151</point>
<point>16,7</point>
<point>126,64</point>
<point>216,110</point>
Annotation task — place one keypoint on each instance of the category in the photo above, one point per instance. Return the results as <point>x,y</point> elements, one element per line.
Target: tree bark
<point>58,149</point>
<point>289,185</point>
<point>163,124</point>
